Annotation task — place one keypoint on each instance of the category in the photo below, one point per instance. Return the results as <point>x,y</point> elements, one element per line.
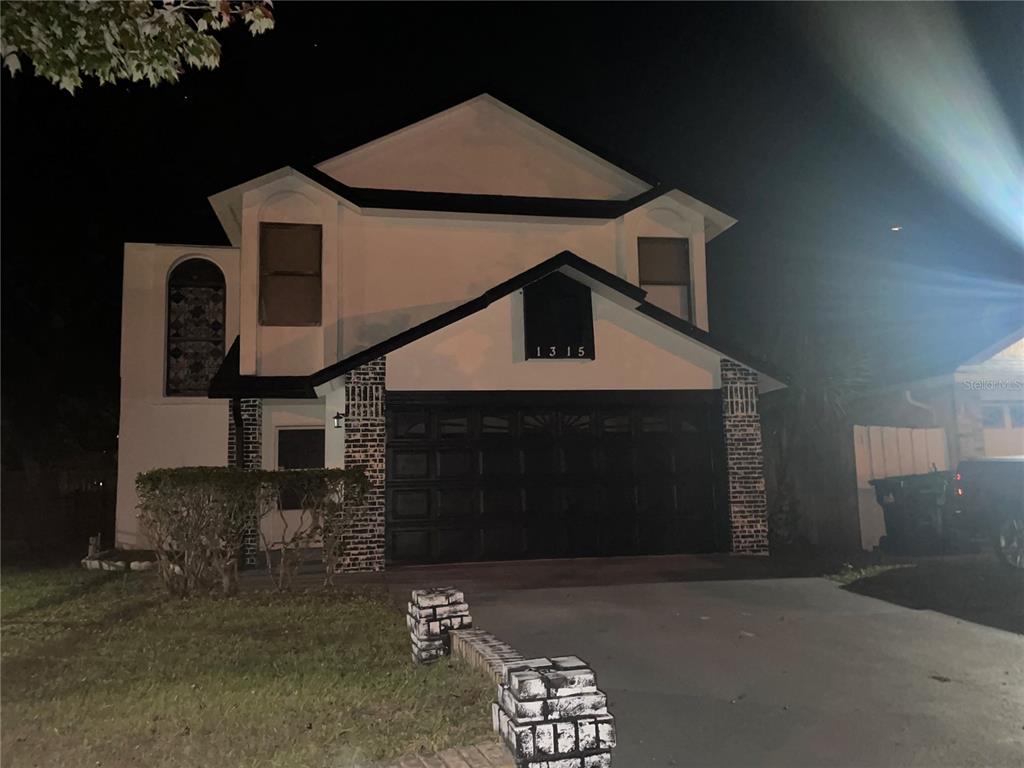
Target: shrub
<point>323,500</point>
<point>197,517</point>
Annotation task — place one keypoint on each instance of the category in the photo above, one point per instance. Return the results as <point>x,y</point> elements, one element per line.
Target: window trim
<point>261,274</point>
<point>691,309</point>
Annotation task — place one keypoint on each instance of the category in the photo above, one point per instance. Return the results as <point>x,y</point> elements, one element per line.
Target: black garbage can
<point>913,508</point>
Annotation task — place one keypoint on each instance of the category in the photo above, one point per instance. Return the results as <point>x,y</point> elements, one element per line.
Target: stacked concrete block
<point>433,613</point>
<point>484,651</point>
<point>551,714</point>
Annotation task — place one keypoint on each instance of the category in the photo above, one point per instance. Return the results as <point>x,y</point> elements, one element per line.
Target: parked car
<point>987,501</point>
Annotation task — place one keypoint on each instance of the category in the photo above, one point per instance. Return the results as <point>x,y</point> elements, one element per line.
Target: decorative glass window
<point>496,424</point>
<point>290,274</point>
<point>665,273</point>
<point>992,416</point>
<point>575,423</point>
<point>538,423</point>
<point>195,327</point>
<point>453,426</point>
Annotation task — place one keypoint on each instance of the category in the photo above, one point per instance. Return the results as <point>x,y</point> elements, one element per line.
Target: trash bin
<point>913,508</point>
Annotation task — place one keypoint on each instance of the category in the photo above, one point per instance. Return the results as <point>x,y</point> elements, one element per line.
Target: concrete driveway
<point>777,672</point>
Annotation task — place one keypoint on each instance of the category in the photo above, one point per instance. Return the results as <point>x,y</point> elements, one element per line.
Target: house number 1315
<point>581,351</point>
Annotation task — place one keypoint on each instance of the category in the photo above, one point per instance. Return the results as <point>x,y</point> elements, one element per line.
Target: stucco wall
<point>485,352</point>
<point>482,147</point>
<point>155,430</point>
<point>384,271</point>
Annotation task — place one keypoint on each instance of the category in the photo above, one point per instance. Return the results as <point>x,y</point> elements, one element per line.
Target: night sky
<point>731,103</point>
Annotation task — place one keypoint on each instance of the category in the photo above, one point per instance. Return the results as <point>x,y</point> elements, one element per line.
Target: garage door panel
<point>578,457</point>
<point>509,475</point>
<point>541,460</point>
<point>411,545</point>
<point>457,544</point>
<point>411,505</point>
<point>457,502</point>
<point>456,464</point>
<point>407,465</point>
<point>500,504</point>
<point>503,543</point>
<point>500,461</point>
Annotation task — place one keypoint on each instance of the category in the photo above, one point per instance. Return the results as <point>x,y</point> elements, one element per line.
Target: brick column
<point>252,458</point>
<point>741,422</point>
<point>363,544</point>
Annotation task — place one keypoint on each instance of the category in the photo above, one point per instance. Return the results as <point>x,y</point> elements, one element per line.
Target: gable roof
<point>481,126</point>
<point>599,280</point>
<point>227,203</point>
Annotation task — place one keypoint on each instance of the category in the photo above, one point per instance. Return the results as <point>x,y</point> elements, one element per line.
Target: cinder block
<point>565,738</point>
<point>544,735</point>
<point>586,729</point>
<point>577,706</point>
<point>606,731</point>
<point>527,685</point>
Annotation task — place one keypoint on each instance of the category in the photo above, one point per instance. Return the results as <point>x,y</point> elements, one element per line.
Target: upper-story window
<point>665,273</point>
<point>290,274</point>
<point>195,327</point>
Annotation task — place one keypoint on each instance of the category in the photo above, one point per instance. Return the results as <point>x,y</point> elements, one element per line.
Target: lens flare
<point>912,65</point>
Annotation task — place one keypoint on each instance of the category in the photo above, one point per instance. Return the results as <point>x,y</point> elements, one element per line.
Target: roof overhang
<point>600,280</point>
<point>227,205</point>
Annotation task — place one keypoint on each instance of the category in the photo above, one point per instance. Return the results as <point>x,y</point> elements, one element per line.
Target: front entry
<point>507,475</point>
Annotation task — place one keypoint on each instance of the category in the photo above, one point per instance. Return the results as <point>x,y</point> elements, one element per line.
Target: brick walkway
<point>489,754</point>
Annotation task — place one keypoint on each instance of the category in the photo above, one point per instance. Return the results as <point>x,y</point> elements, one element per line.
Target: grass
<point>849,574</point>
<point>101,669</point>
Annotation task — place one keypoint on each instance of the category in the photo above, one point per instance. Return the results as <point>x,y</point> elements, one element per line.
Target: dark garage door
<point>505,475</point>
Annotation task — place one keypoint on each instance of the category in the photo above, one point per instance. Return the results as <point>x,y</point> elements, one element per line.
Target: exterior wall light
<point>339,420</point>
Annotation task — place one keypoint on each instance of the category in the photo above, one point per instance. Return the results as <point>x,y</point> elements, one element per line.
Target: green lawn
<point>100,670</point>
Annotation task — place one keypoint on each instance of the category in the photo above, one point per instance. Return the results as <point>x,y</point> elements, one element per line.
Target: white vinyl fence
<point>888,452</point>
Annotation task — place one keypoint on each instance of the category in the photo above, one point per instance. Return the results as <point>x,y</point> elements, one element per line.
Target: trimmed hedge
<point>197,517</point>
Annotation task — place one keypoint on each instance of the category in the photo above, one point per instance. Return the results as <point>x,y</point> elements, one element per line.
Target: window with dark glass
<point>290,274</point>
<point>558,319</point>
<point>299,449</point>
<point>195,327</point>
<point>665,273</point>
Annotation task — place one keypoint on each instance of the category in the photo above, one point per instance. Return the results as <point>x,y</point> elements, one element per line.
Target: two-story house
<point>509,332</point>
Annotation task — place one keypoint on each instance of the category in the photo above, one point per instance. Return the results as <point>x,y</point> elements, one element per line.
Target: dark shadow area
<point>975,588</point>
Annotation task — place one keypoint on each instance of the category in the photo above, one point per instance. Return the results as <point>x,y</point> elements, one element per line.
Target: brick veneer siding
<point>748,509</point>
<point>252,458</point>
<point>363,544</point>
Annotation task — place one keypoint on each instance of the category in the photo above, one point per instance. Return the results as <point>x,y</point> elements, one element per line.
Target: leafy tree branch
<point>133,40</point>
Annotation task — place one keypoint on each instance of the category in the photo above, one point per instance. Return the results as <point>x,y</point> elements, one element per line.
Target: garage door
<point>485,476</point>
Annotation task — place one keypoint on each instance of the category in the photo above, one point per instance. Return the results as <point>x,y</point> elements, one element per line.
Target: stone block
<point>565,738</point>
<point>527,685</point>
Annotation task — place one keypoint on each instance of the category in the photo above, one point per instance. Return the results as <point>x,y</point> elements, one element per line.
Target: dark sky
<point>732,103</point>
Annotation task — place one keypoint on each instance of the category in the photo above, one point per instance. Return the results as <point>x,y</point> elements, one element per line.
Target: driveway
<point>777,672</point>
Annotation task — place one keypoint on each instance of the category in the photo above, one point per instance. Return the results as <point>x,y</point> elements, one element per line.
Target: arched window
<point>195,327</point>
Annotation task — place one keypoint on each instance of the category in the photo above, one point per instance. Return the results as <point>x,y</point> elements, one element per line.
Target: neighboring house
<point>509,332</point>
<point>914,427</point>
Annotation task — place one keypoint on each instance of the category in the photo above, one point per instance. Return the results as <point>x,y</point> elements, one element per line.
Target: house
<point>508,331</point>
<point>972,410</point>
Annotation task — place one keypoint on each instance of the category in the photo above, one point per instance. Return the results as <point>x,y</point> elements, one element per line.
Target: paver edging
<point>549,712</point>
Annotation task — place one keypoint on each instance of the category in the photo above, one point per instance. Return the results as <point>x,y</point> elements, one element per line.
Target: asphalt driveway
<point>777,672</point>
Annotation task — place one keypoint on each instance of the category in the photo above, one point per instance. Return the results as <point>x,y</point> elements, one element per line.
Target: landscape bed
<point>102,669</point>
